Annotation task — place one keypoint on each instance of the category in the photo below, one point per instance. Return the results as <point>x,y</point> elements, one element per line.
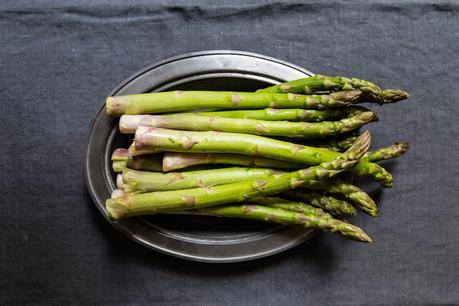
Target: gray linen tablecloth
<point>58,59</point>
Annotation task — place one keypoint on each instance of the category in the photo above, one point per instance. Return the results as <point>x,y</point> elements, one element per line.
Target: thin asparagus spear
<point>277,114</point>
<point>118,166</point>
<point>156,202</point>
<point>129,123</point>
<point>394,95</point>
<point>278,215</point>
<point>335,207</point>
<point>320,83</point>
<point>119,181</point>
<point>215,142</point>
<point>176,160</point>
<point>135,181</point>
<point>176,101</point>
<point>390,152</point>
<point>352,193</point>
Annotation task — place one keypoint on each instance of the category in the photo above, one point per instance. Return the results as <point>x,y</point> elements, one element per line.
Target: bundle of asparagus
<point>279,152</point>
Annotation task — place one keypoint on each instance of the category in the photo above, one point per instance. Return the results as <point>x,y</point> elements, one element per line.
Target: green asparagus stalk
<point>122,159</point>
<point>119,157</point>
<point>277,114</point>
<point>278,210</point>
<point>175,161</point>
<point>339,143</point>
<point>120,154</point>
<point>350,192</point>
<point>141,152</point>
<point>335,207</point>
<point>390,152</point>
<point>135,181</point>
<point>320,83</point>
<point>215,142</point>
<point>176,101</point>
<point>119,181</point>
<point>129,123</point>
<point>394,95</point>
<point>281,216</point>
<point>158,201</point>
<point>276,202</point>
<point>118,166</point>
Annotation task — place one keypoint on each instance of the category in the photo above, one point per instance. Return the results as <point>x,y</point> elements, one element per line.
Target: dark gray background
<point>58,61</point>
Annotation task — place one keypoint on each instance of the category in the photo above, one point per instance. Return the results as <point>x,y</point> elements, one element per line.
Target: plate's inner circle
<point>201,229</point>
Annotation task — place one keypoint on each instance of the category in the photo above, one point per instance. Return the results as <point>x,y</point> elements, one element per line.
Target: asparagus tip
<point>394,95</point>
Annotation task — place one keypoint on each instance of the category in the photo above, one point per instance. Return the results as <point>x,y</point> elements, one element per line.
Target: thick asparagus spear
<point>335,207</point>
<point>175,161</point>
<point>129,123</point>
<point>156,202</point>
<point>351,192</point>
<point>321,83</point>
<point>277,114</point>
<point>215,142</point>
<point>279,211</point>
<point>135,181</point>
<point>176,101</point>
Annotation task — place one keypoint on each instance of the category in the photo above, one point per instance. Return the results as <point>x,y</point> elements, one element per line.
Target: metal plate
<point>196,238</point>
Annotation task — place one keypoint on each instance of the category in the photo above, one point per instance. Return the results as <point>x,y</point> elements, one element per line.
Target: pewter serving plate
<point>197,238</point>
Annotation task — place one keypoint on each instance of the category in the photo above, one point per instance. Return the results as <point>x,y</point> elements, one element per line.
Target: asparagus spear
<point>278,215</point>
<point>276,114</point>
<point>174,161</point>
<point>175,101</point>
<point>390,152</point>
<point>122,159</point>
<point>135,181</point>
<point>328,203</point>
<point>394,95</point>
<point>118,165</point>
<point>133,152</point>
<point>320,83</point>
<point>215,142</point>
<point>352,193</point>
<point>279,211</point>
<point>156,202</point>
<point>129,123</point>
